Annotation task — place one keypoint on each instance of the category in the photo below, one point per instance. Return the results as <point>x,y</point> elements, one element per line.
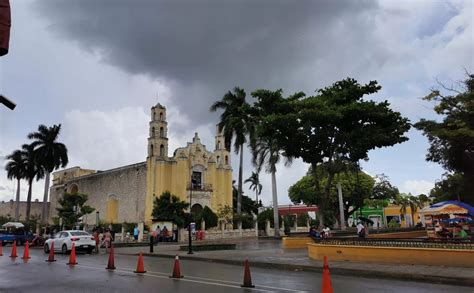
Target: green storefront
<point>374,213</point>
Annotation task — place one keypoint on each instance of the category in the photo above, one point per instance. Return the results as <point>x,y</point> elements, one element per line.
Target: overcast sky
<point>97,67</point>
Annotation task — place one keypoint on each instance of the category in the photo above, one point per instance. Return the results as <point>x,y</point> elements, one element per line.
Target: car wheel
<point>64,249</point>
<point>46,248</point>
<point>89,251</point>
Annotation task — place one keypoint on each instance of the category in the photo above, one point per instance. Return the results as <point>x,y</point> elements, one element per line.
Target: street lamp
<point>190,241</point>
<point>97,219</point>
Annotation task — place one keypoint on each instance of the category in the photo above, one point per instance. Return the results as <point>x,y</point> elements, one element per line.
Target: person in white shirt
<point>360,230</point>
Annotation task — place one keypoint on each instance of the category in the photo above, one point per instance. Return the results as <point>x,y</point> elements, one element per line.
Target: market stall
<point>448,219</point>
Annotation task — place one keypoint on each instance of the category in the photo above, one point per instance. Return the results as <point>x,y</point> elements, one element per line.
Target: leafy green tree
<point>16,169</point>
<point>452,186</point>
<point>249,206</point>
<point>452,139</point>
<point>334,127</point>
<point>208,216</point>
<point>51,155</point>
<point>225,214</point>
<point>169,207</point>
<point>267,215</point>
<point>356,185</point>
<point>235,125</point>
<point>72,207</point>
<point>383,192</point>
<point>33,170</point>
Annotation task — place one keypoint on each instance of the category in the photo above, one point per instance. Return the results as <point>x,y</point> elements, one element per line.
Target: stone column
<point>203,225</point>
<point>123,233</point>
<point>267,227</point>
<point>140,234</point>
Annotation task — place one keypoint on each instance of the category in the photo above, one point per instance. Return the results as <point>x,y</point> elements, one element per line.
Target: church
<point>126,194</point>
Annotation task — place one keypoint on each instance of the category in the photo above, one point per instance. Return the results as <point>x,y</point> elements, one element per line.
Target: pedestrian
<point>136,232</point>
<point>107,240</point>
<point>96,239</point>
<point>158,234</point>
<point>165,234</point>
<point>360,230</point>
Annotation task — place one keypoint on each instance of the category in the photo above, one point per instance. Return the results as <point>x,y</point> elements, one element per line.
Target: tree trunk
<point>275,206</point>
<point>17,200</point>
<point>28,199</point>
<point>239,186</point>
<point>44,214</point>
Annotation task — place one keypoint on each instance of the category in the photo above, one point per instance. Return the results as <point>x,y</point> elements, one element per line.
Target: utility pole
<point>341,207</point>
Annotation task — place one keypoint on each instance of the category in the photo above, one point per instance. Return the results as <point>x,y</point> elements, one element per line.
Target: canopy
<point>13,225</point>
<point>448,208</point>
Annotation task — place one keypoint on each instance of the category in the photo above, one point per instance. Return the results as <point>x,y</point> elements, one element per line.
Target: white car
<point>63,241</point>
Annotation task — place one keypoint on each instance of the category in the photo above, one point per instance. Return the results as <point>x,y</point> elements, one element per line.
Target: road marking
<point>199,280</point>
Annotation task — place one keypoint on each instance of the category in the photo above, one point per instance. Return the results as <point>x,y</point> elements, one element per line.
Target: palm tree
<point>415,203</point>
<point>51,155</point>
<point>255,185</point>
<point>16,169</point>
<point>264,147</point>
<point>235,125</point>
<point>266,153</point>
<point>33,170</point>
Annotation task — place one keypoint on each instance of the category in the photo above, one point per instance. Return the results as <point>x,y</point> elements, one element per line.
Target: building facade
<point>126,194</point>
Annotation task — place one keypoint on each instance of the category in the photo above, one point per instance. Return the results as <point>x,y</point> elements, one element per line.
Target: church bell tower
<point>222,154</point>
<point>158,137</point>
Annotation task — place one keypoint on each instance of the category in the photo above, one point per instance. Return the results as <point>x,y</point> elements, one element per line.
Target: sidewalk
<point>269,254</point>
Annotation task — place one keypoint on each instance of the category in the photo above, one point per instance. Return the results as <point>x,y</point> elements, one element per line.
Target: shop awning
<point>451,207</point>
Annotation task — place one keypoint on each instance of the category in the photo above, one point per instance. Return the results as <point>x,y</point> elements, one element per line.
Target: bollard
<point>151,243</point>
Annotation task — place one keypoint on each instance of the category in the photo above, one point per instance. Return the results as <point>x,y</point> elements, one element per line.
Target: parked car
<point>63,241</point>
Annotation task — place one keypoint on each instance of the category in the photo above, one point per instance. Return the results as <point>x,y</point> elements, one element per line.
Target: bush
<point>267,215</point>
<point>303,220</point>
<point>246,219</point>
<point>208,216</point>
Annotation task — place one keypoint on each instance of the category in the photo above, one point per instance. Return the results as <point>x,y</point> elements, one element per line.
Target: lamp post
<point>190,241</point>
<point>97,219</point>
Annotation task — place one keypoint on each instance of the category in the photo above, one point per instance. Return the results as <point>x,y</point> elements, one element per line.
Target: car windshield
<point>79,233</point>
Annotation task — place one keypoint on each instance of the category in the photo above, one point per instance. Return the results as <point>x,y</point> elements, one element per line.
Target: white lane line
<point>230,282</point>
<point>183,280</point>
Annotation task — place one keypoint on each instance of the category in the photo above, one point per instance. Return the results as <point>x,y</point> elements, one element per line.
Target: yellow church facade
<point>192,173</point>
<point>126,194</point>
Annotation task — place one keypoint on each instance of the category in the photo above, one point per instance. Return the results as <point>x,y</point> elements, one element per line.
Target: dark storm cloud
<point>203,48</point>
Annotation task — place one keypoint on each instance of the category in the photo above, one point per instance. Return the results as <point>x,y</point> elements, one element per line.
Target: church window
<point>154,115</point>
<point>151,150</point>
<point>219,145</point>
<point>162,150</point>
<point>162,132</point>
<point>197,179</point>
<point>218,159</point>
<point>153,131</point>
<point>161,116</point>
<point>226,160</point>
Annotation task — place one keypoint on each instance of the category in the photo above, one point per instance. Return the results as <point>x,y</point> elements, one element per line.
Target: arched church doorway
<point>74,189</point>
<point>196,209</point>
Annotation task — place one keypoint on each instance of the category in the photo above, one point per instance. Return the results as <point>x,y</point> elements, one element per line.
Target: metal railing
<point>409,242</point>
<point>199,187</point>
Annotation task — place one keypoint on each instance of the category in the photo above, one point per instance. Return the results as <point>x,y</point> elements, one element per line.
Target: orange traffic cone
<point>51,253</point>
<point>26,252</point>
<point>247,278</point>
<point>13,250</point>
<point>327,286</point>
<point>72,257</point>
<point>1,245</point>
<point>176,269</point>
<point>111,264</point>
<point>140,267</point>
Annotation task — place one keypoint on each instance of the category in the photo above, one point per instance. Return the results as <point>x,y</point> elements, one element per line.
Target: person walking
<point>96,239</point>
<point>360,230</point>
<point>158,234</point>
<point>136,232</point>
<point>107,240</point>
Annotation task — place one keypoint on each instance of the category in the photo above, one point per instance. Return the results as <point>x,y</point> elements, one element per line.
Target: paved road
<point>90,275</point>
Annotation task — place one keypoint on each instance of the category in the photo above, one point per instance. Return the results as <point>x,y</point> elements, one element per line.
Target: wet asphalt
<point>90,275</point>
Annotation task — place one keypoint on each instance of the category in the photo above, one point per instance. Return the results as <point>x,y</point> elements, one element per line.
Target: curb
<point>458,281</point>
